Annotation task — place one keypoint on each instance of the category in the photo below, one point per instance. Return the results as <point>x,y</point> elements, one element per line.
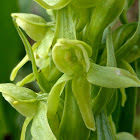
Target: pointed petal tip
<point>93,128</point>
<point>91,125</point>
<point>14,15</point>
<point>12,77</point>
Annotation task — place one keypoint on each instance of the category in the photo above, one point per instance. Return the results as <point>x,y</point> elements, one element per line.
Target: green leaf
<point>40,129</point>
<point>111,77</point>
<point>72,126</point>
<point>54,124</point>
<point>117,111</point>
<point>110,107</point>
<point>24,127</point>
<point>125,33</point>
<point>108,10</point>
<point>35,26</point>
<point>111,60</point>
<point>120,37</point>
<point>71,56</point>
<point>104,131</point>
<point>126,124</point>
<point>100,101</point>
<point>82,91</point>
<point>133,54</point>
<point>121,53</point>
<point>125,136</point>
<point>123,16</point>
<point>53,4</point>
<point>54,95</point>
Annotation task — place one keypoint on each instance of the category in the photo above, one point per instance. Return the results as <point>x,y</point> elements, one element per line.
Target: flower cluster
<point>79,66</point>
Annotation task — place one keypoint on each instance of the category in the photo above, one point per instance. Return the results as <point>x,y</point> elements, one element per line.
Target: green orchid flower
<point>82,70</point>
<point>75,63</point>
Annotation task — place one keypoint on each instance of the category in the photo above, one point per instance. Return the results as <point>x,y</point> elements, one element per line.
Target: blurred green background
<point>11,52</point>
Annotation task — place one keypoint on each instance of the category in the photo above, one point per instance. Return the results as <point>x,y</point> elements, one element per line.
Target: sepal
<point>35,26</point>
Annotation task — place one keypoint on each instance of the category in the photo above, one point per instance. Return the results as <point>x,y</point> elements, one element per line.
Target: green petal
<point>35,26</point>
<point>72,126</point>
<point>111,77</point>
<point>82,90</point>
<point>54,95</point>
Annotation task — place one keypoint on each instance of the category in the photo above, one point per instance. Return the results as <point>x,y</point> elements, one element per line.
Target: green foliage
<point>11,45</point>
<point>82,79</point>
